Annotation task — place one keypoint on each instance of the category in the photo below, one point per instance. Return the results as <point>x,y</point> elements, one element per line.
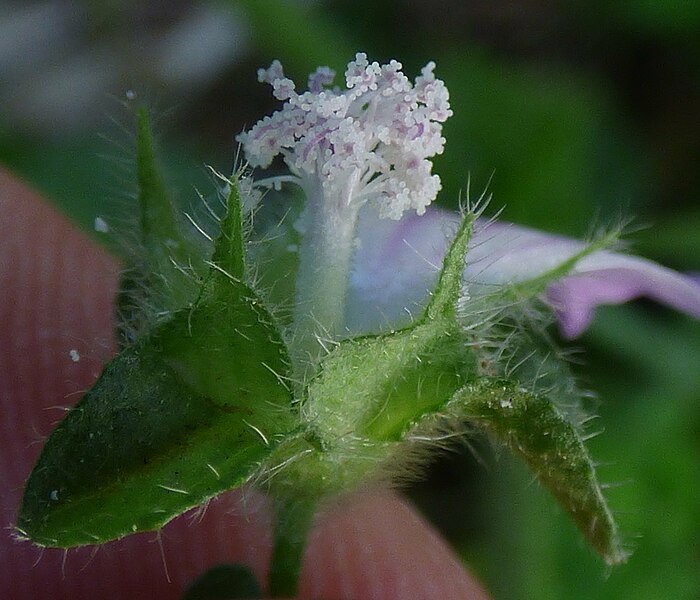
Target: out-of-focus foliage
<point>578,114</point>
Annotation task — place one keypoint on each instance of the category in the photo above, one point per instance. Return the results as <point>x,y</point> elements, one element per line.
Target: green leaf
<point>183,414</point>
<point>224,582</point>
<point>531,426</point>
<point>172,421</point>
<point>228,349</point>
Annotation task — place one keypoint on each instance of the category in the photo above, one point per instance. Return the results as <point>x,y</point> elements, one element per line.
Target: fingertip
<point>374,545</point>
<point>56,298</point>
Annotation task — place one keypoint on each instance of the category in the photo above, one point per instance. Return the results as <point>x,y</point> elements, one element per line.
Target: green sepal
<point>164,264</point>
<point>157,217</point>
<point>532,427</point>
<point>186,412</point>
<point>519,291</point>
<point>366,393</point>
<point>229,249</point>
<point>376,386</point>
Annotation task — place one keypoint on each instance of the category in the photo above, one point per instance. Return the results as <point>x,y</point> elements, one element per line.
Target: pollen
<point>100,225</point>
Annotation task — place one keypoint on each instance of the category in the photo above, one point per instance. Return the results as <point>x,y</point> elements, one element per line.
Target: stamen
<point>382,127</point>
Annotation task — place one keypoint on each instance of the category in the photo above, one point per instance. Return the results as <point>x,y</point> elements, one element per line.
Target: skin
<point>56,294</point>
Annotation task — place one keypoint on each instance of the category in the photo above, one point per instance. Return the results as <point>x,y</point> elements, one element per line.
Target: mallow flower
<point>410,327</point>
<point>370,143</point>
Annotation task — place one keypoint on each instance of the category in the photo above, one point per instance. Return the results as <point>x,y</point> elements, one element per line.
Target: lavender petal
<point>397,262</point>
<point>607,278</point>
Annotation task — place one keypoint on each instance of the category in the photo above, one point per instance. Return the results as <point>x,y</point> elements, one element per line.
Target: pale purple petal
<point>503,253</point>
<point>397,263</point>
<point>395,266</point>
<point>607,278</point>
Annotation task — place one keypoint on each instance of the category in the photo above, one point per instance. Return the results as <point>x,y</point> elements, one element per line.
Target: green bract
<point>175,418</point>
<point>203,398</point>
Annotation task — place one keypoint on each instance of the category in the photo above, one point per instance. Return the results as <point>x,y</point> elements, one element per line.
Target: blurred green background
<point>578,113</point>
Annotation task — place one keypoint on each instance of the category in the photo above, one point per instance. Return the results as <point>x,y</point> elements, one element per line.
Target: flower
<point>393,277</point>
<point>371,144</point>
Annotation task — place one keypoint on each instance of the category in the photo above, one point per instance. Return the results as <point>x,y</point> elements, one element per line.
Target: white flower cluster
<point>371,141</point>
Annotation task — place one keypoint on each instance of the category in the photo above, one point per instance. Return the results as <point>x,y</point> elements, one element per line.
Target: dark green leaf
<point>185,413</point>
<point>224,582</point>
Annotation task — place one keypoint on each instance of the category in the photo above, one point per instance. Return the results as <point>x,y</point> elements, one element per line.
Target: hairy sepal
<point>164,267</point>
<point>374,388</point>
<point>186,412</point>
<point>388,399</point>
<point>531,426</point>
<point>365,394</point>
<point>527,399</point>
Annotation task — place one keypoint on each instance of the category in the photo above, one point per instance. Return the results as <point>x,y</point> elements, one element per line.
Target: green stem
<point>293,523</point>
